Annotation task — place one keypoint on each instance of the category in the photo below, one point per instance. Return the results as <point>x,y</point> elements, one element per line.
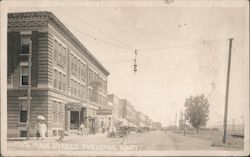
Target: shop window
<point>23,111</point>
<point>24,75</point>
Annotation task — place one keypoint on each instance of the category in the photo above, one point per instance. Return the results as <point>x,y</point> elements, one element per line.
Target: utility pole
<point>233,124</point>
<point>243,124</point>
<point>185,117</point>
<point>175,121</point>
<point>135,65</point>
<point>29,89</point>
<point>227,91</point>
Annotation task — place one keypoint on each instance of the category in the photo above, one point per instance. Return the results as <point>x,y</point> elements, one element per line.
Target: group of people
<point>41,129</point>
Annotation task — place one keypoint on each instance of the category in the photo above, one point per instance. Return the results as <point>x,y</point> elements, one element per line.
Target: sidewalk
<point>55,138</point>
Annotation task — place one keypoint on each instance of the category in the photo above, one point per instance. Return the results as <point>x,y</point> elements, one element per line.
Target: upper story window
<point>24,75</point>
<point>79,87</point>
<point>72,62</point>
<point>55,111</point>
<point>85,70</point>
<point>91,75</point>
<point>75,88</point>
<point>75,66</point>
<point>60,53</point>
<point>71,87</point>
<point>23,111</point>
<point>82,70</point>
<point>64,82</point>
<point>95,77</point>
<point>55,49</point>
<point>55,78</point>
<point>25,44</point>
<point>64,55</point>
<point>79,67</point>
<point>60,81</point>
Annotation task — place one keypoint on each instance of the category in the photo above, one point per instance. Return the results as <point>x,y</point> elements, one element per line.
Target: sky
<point>182,51</point>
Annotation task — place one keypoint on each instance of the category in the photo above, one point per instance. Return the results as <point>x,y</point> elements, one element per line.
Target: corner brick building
<point>69,84</point>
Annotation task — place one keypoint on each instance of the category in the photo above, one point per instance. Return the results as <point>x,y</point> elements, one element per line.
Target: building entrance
<point>74,120</point>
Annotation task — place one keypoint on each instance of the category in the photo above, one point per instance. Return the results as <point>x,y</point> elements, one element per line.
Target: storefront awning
<point>75,106</point>
<point>104,112</point>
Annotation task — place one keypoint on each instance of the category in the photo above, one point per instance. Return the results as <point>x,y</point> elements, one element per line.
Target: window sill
<point>24,54</point>
<point>23,86</point>
<point>22,124</point>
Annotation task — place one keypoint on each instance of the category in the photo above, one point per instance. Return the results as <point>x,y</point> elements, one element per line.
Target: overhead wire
<point>94,27</point>
<point>94,38</point>
<point>131,49</point>
<point>199,42</point>
<point>126,47</point>
<point>132,27</point>
<point>145,31</point>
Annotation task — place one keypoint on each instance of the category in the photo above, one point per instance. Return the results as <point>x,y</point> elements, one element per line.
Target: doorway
<point>74,120</point>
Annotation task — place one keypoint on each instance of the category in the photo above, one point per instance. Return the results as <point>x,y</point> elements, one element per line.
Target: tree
<point>197,111</point>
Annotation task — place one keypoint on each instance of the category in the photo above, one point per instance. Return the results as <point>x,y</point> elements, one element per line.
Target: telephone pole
<point>233,125</point>
<point>175,121</point>
<point>227,91</point>
<point>29,89</point>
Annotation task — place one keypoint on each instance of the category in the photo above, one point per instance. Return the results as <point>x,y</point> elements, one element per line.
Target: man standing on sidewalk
<point>82,128</point>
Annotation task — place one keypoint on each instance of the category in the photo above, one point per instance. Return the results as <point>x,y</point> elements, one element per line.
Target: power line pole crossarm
<point>227,91</point>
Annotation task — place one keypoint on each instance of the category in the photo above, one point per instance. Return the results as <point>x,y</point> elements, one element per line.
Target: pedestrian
<point>37,130</point>
<point>82,128</point>
<point>42,129</point>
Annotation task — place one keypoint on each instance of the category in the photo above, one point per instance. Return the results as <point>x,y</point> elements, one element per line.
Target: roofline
<point>66,30</point>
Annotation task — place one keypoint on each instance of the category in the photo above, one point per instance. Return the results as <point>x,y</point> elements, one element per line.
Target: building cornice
<point>29,19</point>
